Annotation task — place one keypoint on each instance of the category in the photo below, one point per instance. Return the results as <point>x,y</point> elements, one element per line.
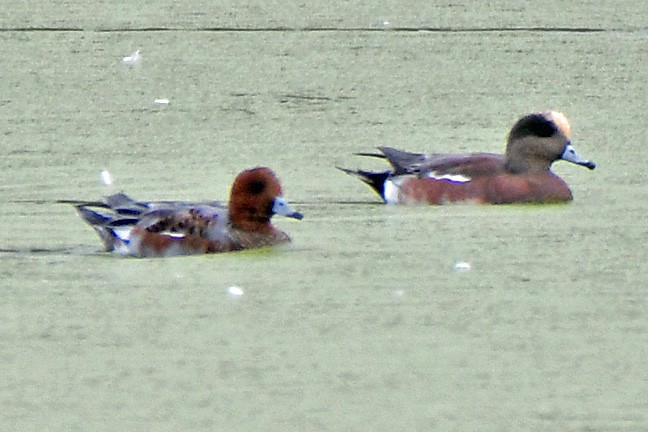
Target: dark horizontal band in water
<point>322,29</point>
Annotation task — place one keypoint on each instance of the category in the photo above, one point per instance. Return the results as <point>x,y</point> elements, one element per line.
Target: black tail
<point>374,179</point>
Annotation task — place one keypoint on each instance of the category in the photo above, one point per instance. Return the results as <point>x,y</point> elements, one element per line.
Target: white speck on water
<point>108,186</point>
<point>462,266</point>
<point>162,101</point>
<point>235,291</point>
<point>132,59</point>
<point>106,178</point>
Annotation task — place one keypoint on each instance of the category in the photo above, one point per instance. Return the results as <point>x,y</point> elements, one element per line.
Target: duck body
<point>521,175</point>
<point>171,228</point>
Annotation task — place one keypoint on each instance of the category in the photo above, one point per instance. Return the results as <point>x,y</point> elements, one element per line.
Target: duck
<point>171,228</point>
<point>521,175</point>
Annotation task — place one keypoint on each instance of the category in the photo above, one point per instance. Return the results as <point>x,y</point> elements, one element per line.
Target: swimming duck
<point>521,175</point>
<point>170,228</point>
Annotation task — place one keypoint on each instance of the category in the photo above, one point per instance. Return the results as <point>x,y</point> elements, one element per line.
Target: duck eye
<point>256,187</point>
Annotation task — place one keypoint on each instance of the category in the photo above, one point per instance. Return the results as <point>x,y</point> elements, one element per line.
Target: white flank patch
<point>456,178</point>
<point>175,235</point>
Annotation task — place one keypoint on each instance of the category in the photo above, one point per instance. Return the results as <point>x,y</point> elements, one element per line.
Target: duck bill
<point>281,207</point>
<point>570,155</point>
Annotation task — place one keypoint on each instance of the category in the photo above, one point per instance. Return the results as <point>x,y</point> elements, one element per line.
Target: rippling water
<point>364,322</point>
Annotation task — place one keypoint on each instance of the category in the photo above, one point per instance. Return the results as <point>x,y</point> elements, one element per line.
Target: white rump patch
<point>456,178</point>
<point>391,191</point>
<point>123,233</point>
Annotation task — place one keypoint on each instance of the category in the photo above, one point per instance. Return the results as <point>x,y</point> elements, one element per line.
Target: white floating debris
<point>161,102</point>
<point>132,59</point>
<point>108,186</point>
<point>462,266</point>
<point>106,178</point>
<point>235,291</point>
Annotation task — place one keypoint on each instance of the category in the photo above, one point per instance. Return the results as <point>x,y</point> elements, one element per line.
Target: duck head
<point>537,140</point>
<point>255,197</point>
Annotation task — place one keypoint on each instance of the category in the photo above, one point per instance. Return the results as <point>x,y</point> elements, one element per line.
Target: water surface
<point>362,323</point>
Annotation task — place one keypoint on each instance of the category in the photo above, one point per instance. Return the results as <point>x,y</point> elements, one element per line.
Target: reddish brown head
<point>255,197</point>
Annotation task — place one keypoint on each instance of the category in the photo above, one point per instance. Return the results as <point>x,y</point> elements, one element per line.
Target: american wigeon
<point>169,228</point>
<point>522,175</point>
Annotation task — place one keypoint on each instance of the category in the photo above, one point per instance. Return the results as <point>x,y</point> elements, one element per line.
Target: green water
<point>362,323</point>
